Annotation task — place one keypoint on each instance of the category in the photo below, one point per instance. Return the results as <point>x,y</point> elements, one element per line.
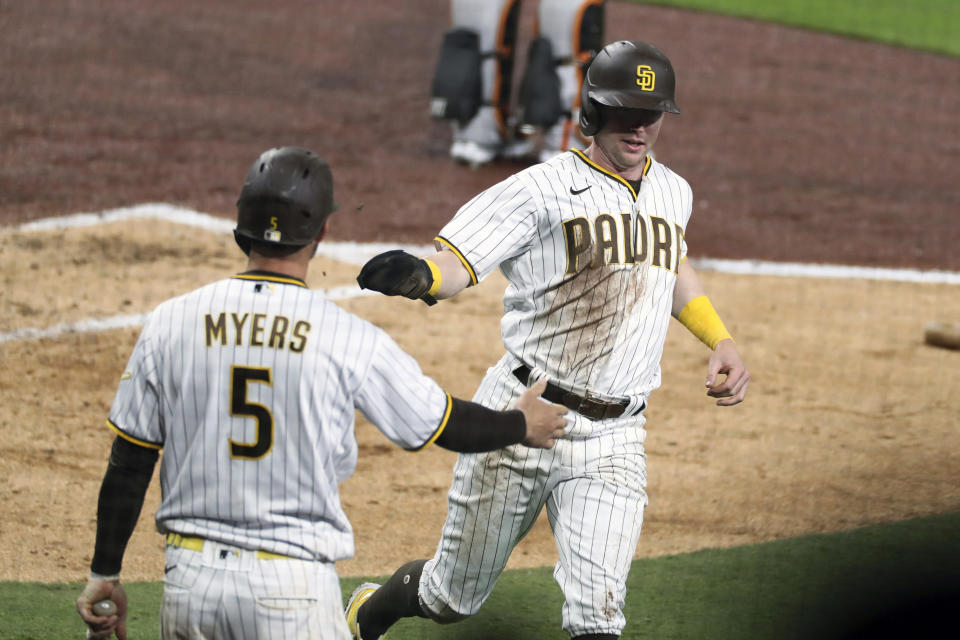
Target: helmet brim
<point>621,100</point>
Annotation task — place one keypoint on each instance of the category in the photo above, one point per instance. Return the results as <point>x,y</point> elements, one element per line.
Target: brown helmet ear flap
<point>591,116</point>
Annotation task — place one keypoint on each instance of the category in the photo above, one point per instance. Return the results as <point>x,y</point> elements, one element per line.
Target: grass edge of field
<point>808,586</point>
<point>924,25</point>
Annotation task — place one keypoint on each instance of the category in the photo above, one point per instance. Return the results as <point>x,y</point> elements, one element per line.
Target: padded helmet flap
<point>539,102</point>
<point>457,90</point>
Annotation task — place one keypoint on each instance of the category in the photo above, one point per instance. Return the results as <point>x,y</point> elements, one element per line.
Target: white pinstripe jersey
<point>249,385</point>
<point>591,267</point>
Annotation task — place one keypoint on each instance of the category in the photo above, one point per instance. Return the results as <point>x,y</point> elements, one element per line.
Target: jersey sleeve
<point>134,414</point>
<point>493,227</point>
<point>409,407</point>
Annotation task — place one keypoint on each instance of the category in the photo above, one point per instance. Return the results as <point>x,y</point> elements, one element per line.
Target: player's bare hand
<point>726,361</point>
<point>102,627</point>
<point>545,421</point>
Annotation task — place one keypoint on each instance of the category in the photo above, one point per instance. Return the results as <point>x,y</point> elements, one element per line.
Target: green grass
<point>807,587</point>
<point>932,25</point>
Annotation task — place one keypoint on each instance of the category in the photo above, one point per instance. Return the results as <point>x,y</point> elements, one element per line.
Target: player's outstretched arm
<point>398,273</point>
<point>473,428</point>
<point>455,277</point>
<point>545,421</point>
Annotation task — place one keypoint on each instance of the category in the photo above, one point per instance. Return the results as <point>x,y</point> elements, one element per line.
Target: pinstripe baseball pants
<point>593,486</point>
<point>227,592</point>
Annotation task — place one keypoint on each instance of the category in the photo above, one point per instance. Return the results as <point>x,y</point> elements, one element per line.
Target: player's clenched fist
<point>397,273</point>
<point>545,421</point>
<point>100,626</point>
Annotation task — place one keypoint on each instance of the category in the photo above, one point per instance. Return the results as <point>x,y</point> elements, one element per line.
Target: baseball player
<point>249,385</point>
<point>592,244</point>
<point>473,77</point>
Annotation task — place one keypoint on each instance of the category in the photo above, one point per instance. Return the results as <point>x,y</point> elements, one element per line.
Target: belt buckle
<point>585,405</point>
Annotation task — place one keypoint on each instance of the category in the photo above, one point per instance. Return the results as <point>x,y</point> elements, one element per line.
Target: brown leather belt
<point>589,407</point>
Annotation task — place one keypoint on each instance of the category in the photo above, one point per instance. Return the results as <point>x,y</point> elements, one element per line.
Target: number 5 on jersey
<point>239,406</point>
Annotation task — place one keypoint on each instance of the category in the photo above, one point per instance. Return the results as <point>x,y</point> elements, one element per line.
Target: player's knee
<point>446,613</point>
<point>449,617</point>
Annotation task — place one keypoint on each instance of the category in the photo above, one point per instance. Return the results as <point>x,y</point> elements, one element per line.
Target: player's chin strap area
<point>588,406</point>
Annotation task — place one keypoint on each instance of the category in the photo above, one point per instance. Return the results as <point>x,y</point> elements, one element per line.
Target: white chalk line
<point>349,252</point>
<point>358,253</point>
<point>135,320</point>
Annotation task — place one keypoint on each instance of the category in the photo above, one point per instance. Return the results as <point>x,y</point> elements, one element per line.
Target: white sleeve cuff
<point>97,576</point>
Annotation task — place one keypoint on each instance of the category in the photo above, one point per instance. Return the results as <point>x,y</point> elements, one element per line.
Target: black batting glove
<point>397,273</point>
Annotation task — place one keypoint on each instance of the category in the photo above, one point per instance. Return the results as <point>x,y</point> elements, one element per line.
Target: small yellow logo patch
<point>126,375</point>
<point>646,78</point>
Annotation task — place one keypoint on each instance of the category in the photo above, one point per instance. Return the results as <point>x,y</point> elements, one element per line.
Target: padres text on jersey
<point>591,265</point>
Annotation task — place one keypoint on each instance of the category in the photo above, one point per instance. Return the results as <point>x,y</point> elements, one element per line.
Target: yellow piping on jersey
<point>443,425</point>
<point>129,438</point>
<point>446,243</point>
<point>296,281</point>
<point>646,167</point>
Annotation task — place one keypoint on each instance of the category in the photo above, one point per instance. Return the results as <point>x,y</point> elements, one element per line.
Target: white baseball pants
<point>227,592</point>
<point>593,485</point>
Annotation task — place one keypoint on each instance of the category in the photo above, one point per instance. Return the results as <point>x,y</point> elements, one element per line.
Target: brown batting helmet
<point>628,74</point>
<point>285,199</point>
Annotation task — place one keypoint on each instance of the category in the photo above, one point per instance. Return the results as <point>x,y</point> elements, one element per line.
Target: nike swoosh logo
<point>169,569</point>
<point>577,192</point>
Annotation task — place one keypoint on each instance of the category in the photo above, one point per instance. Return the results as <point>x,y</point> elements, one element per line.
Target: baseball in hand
<point>104,608</point>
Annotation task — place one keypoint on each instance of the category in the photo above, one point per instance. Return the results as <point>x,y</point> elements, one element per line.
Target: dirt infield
<point>850,421</point>
<point>799,147</point>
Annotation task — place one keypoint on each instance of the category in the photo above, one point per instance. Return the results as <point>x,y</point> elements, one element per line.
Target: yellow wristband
<point>702,320</point>
<point>435,272</point>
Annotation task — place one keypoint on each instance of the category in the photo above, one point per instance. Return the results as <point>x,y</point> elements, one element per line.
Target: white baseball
<point>104,608</point>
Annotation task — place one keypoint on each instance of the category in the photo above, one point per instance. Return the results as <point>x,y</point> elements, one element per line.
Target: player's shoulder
<point>186,298</point>
<point>561,162</point>
<point>344,332</point>
<point>293,299</point>
<point>204,291</point>
<point>165,320</point>
<point>339,324</point>
<point>541,176</point>
<point>661,172</point>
